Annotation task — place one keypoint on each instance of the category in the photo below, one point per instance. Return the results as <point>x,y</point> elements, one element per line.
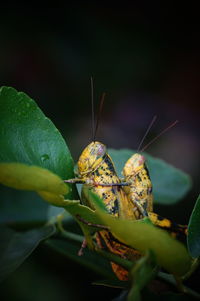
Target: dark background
<point>144,56</point>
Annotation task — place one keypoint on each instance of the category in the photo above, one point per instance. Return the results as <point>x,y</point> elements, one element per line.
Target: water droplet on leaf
<point>44,157</point>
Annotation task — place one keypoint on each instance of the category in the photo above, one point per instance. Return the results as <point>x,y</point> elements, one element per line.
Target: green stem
<point>179,284</point>
<point>194,266</point>
<point>69,235</point>
<point>170,279</point>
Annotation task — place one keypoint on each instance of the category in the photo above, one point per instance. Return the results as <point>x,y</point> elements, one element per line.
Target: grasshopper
<point>96,171</point>
<point>139,191</point>
<point>138,187</point>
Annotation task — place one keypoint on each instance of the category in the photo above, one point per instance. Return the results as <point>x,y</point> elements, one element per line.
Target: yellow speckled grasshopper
<point>137,183</point>
<point>139,191</point>
<point>136,175</point>
<point>138,187</point>
<point>96,171</point>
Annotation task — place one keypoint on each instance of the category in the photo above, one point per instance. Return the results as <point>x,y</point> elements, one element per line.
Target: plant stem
<point>194,266</point>
<point>69,235</point>
<point>170,279</point>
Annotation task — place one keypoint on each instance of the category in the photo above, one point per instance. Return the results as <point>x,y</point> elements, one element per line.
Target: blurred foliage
<point>194,235</point>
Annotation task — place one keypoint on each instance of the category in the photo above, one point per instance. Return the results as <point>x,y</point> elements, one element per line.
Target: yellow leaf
<point>26,177</point>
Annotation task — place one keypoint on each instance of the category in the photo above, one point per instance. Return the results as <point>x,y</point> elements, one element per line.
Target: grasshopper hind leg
<point>140,209</point>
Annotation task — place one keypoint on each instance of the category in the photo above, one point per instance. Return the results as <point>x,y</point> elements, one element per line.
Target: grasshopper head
<point>91,157</point>
<point>133,165</point>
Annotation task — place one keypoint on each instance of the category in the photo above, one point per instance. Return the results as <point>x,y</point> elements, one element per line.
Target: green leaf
<point>170,253</point>
<point>15,246</point>
<point>27,136</point>
<point>169,183</point>
<point>193,238</point>
<point>142,272</point>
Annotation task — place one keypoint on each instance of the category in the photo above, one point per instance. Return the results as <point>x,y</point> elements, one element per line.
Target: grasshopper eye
<point>101,150</point>
<point>141,160</point>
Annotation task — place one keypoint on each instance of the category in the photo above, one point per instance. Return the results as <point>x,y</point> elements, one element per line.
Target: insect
<point>136,174</point>
<point>136,182</point>
<point>96,171</point>
<point>139,191</point>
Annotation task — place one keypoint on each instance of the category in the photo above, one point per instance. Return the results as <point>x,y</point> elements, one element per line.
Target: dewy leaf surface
<point>170,184</point>
<point>194,231</point>
<point>28,136</point>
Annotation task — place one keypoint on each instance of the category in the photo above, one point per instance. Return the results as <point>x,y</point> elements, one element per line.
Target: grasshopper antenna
<point>147,131</point>
<point>99,113</point>
<point>92,105</point>
<point>164,131</point>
